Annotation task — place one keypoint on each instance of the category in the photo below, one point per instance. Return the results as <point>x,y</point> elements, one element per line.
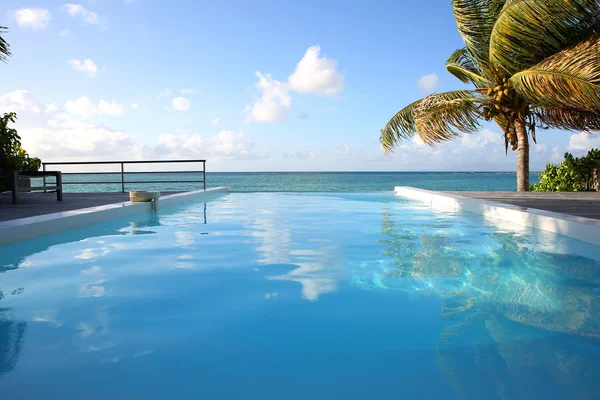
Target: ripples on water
<point>301,296</point>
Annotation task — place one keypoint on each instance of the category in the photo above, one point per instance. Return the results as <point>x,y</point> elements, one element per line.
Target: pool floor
<point>300,296</point>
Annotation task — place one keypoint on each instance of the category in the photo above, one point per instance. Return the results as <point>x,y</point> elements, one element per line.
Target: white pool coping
<point>17,230</point>
<point>580,228</point>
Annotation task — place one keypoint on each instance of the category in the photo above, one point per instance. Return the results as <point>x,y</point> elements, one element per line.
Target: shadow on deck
<point>32,204</point>
<point>581,204</point>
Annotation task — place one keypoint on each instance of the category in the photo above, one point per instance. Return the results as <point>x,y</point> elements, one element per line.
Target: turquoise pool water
<point>300,296</point>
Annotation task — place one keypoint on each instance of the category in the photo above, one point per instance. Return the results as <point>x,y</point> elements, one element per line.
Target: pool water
<point>300,296</point>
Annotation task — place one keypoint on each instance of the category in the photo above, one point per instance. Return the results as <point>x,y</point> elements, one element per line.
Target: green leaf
<point>528,31</point>
<point>569,79</point>
<point>461,65</point>
<point>475,21</point>
<point>4,46</point>
<point>436,115</point>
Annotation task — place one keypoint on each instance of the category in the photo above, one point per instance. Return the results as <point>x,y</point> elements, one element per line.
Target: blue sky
<point>261,85</point>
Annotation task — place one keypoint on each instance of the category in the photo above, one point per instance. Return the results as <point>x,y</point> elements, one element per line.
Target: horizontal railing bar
<point>91,183</point>
<point>121,162</point>
<point>126,182</point>
<point>131,173</point>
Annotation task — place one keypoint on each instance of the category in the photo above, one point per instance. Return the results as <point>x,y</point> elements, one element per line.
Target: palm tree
<point>4,47</point>
<point>534,64</point>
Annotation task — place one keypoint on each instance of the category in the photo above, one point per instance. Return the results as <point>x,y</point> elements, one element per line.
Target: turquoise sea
<point>306,181</point>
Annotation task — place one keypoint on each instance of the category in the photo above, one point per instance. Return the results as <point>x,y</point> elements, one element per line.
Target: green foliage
<point>572,175</point>
<point>14,157</point>
<point>4,46</point>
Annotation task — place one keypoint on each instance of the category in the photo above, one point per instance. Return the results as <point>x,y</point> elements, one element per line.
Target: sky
<point>246,85</point>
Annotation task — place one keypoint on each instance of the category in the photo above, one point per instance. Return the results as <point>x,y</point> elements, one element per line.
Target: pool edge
<point>17,230</point>
<point>580,228</point>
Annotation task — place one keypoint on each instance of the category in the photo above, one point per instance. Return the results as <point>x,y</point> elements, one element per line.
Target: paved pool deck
<point>581,204</point>
<point>34,204</point>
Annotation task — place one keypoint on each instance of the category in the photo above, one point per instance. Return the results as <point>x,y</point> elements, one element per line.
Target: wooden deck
<point>32,204</point>
<point>582,204</point>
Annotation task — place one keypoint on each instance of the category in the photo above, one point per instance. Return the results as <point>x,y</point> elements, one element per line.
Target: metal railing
<point>122,172</point>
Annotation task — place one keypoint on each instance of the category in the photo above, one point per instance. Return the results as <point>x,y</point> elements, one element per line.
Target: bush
<point>12,156</point>
<point>15,157</point>
<point>572,175</point>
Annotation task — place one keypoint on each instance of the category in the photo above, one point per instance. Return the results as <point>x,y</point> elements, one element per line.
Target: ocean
<point>304,181</point>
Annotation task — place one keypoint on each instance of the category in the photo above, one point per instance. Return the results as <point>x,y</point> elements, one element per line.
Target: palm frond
<point>4,46</point>
<point>438,120</point>
<point>570,120</point>
<point>528,31</point>
<point>461,65</point>
<point>475,21</point>
<point>569,79</point>
<point>433,118</point>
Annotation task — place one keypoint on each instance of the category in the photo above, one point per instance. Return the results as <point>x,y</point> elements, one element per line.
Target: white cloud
<point>135,106</point>
<point>79,11</point>
<point>429,83</point>
<point>584,142</point>
<point>51,108</point>
<point>62,136</point>
<point>189,91</point>
<point>19,100</point>
<point>315,74</point>
<point>82,107</point>
<point>181,104</point>
<point>85,108</point>
<point>50,133</point>
<point>87,66</point>
<point>215,121</point>
<point>59,135</point>
<point>225,145</point>
<point>164,93</point>
<point>34,18</point>
<point>274,102</point>
<point>113,108</point>
<point>64,32</point>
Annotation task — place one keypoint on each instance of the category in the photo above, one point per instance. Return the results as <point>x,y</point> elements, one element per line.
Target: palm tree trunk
<point>522,155</point>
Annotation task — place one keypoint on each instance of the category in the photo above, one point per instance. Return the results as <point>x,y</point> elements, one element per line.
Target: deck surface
<point>32,204</point>
<point>582,204</point>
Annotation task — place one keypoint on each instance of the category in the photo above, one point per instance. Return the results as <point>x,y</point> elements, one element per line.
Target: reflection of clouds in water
<point>95,334</point>
<point>184,238</point>
<point>48,316</point>
<point>87,254</point>
<point>274,242</point>
<point>142,353</point>
<point>100,346</point>
<point>95,287</point>
<point>185,262</point>
<point>319,271</point>
<point>100,326</point>
<point>91,253</point>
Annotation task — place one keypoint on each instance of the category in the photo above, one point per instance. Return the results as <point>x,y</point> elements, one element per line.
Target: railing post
<point>122,177</point>
<point>204,174</point>
<point>44,178</point>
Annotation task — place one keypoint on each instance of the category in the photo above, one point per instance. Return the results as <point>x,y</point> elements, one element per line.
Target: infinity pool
<point>300,296</point>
